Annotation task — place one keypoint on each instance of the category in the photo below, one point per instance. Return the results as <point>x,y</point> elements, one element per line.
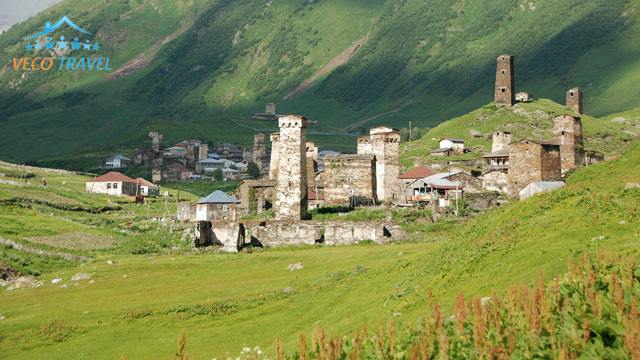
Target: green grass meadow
<point>140,304</point>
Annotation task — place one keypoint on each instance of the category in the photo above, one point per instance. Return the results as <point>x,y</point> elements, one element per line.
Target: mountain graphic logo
<point>49,28</point>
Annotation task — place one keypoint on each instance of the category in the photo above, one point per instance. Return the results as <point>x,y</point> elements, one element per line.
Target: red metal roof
<point>114,176</point>
<point>418,173</point>
<point>144,182</point>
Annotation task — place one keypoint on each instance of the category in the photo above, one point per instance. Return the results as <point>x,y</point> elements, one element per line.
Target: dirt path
<point>339,60</point>
<point>144,58</point>
<point>359,123</point>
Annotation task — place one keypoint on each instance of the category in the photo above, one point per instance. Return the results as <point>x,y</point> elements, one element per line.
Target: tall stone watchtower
<point>291,187</point>
<point>574,100</point>
<point>384,143</point>
<point>505,86</point>
<point>259,151</point>
<point>501,141</point>
<point>274,164</point>
<point>312,165</point>
<point>568,133</point>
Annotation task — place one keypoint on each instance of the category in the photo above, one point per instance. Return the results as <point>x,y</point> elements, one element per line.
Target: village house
<point>523,97</point>
<point>117,162</point>
<point>175,151</point>
<point>217,206</point>
<point>176,171</point>
<point>113,183</point>
<point>147,188</point>
<point>437,189</point>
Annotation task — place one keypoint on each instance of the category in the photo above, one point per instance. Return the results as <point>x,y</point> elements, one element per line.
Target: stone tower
<point>505,86</point>
<point>531,161</point>
<point>270,108</point>
<point>574,100</point>
<point>568,133</point>
<point>259,152</point>
<point>364,145</point>
<point>501,141</point>
<point>312,161</point>
<point>291,187</point>
<point>275,156</point>
<point>384,144</point>
<point>203,151</point>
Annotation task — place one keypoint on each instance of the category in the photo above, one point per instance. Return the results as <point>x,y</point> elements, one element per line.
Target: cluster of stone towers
<point>293,167</point>
<point>505,91</point>
<point>384,144</point>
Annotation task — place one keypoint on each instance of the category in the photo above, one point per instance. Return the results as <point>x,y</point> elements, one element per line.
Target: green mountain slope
<point>226,302</point>
<point>199,68</point>
<point>610,134</point>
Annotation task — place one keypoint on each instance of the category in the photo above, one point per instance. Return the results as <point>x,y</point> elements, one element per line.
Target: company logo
<point>46,52</point>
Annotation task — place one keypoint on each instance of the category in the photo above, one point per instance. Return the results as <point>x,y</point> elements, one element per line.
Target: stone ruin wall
<point>347,176</point>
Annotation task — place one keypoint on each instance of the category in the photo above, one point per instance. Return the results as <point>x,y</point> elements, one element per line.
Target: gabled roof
<point>453,140</point>
<point>144,182</point>
<point>119,157</point>
<point>113,176</point>
<point>418,173</point>
<point>218,197</point>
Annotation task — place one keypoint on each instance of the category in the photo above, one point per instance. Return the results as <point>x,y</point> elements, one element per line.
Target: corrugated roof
<point>218,197</point>
<point>453,140</point>
<point>113,176</point>
<point>418,173</point>
<point>499,153</point>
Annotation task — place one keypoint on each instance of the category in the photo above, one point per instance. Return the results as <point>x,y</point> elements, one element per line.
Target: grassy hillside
<point>610,135</point>
<point>208,64</point>
<point>138,305</point>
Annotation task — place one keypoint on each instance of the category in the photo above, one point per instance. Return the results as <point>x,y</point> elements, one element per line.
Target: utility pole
<point>410,132</point>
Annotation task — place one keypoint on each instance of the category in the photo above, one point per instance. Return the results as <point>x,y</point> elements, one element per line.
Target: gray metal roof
<point>218,197</point>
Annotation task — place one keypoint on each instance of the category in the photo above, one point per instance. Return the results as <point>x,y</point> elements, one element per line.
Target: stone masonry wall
<point>530,161</point>
<point>501,141</point>
<point>312,158</point>
<point>384,144</point>
<point>574,100</point>
<point>291,188</point>
<point>347,176</point>
<point>568,133</point>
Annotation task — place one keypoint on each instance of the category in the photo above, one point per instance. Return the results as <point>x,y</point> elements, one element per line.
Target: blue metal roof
<point>218,197</point>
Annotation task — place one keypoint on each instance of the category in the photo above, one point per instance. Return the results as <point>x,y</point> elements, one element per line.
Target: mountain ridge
<point>234,56</point>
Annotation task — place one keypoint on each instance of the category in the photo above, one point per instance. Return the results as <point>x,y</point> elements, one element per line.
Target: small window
<point>115,185</point>
<point>503,71</point>
<point>503,90</point>
<point>224,207</point>
<point>108,185</point>
<point>571,93</point>
<point>563,133</point>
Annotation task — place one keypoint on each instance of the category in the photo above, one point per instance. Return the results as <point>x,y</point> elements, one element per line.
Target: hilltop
<point>214,297</point>
<point>198,69</point>
<point>610,135</point>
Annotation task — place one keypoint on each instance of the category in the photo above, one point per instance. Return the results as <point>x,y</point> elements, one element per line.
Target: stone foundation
<point>235,236</point>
